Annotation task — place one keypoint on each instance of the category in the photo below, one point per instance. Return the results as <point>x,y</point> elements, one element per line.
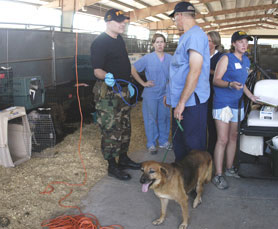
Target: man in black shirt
<point>110,61</point>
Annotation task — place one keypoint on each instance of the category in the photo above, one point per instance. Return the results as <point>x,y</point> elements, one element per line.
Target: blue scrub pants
<point>156,120</point>
<point>194,135</point>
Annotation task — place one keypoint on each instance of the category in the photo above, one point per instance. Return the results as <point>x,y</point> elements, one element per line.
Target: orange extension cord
<point>81,221</point>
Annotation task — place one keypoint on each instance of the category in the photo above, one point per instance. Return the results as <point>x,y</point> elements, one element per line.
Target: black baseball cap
<point>238,35</point>
<point>183,7</point>
<point>115,15</point>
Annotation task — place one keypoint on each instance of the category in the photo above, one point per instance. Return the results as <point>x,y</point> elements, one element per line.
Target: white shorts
<point>216,114</point>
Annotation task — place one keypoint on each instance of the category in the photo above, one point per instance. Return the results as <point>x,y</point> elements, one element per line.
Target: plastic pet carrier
<point>15,137</point>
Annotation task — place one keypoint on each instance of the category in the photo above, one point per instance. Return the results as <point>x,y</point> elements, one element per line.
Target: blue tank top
<point>237,70</point>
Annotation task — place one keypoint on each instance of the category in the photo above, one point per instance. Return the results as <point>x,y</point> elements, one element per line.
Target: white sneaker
<point>166,145</point>
<point>152,150</point>
<point>220,182</point>
<point>232,172</point>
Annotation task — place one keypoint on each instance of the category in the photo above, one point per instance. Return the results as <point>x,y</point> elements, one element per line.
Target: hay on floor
<point>20,199</point>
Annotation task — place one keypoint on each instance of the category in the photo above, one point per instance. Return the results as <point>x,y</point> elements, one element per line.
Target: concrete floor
<point>247,204</point>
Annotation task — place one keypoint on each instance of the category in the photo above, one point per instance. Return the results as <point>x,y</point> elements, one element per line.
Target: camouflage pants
<point>113,118</point>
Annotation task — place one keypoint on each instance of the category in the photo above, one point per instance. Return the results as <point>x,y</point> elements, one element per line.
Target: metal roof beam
<point>236,19</point>
<point>68,5</point>
<point>124,4</point>
<point>243,27</point>
<point>238,10</point>
<point>154,10</point>
<point>232,25</point>
<point>168,22</point>
<point>148,5</point>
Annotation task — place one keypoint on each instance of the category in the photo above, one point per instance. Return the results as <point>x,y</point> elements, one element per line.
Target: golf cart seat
<point>260,125</point>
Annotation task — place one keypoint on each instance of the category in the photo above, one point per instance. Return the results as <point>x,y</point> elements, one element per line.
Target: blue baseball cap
<point>183,7</point>
<point>115,15</point>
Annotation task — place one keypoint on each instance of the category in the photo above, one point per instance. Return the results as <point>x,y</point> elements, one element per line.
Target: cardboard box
<point>267,112</point>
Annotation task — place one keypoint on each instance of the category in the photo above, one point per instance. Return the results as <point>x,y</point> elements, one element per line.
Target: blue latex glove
<point>131,90</point>
<point>109,79</point>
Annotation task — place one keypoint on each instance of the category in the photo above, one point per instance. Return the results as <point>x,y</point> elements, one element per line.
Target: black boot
<point>114,171</point>
<point>126,163</point>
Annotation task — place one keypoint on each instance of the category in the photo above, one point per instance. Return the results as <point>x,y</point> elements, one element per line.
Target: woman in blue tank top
<point>229,85</point>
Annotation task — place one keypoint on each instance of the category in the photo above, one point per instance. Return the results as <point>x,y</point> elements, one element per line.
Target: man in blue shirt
<point>189,83</point>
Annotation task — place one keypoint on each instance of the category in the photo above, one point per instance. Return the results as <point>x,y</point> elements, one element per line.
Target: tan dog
<point>174,181</point>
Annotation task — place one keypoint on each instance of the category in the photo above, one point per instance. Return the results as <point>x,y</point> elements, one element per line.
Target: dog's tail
<point>209,172</point>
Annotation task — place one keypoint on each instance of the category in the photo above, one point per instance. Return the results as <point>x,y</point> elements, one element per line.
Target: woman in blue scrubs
<point>155,113</point>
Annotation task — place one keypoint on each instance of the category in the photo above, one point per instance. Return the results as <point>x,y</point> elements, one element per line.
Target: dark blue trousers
<point>194,135</point>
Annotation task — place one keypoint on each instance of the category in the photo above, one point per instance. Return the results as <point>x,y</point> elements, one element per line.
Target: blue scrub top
<point>237,70</point>
<point>194,39</point>
<point>155,70</point>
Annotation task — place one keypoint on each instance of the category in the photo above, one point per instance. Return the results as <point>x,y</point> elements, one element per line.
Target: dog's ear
<point>164,171</point>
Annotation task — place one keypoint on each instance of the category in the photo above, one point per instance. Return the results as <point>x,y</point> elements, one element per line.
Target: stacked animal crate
<point>6,87</point>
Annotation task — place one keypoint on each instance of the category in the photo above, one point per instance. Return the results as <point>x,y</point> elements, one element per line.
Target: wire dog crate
<point>42,130</point>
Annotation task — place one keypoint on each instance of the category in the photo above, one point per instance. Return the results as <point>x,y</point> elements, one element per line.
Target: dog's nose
<point>143,179</point>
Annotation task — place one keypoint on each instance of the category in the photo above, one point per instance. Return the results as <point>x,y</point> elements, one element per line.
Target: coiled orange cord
<point>82,221</point>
